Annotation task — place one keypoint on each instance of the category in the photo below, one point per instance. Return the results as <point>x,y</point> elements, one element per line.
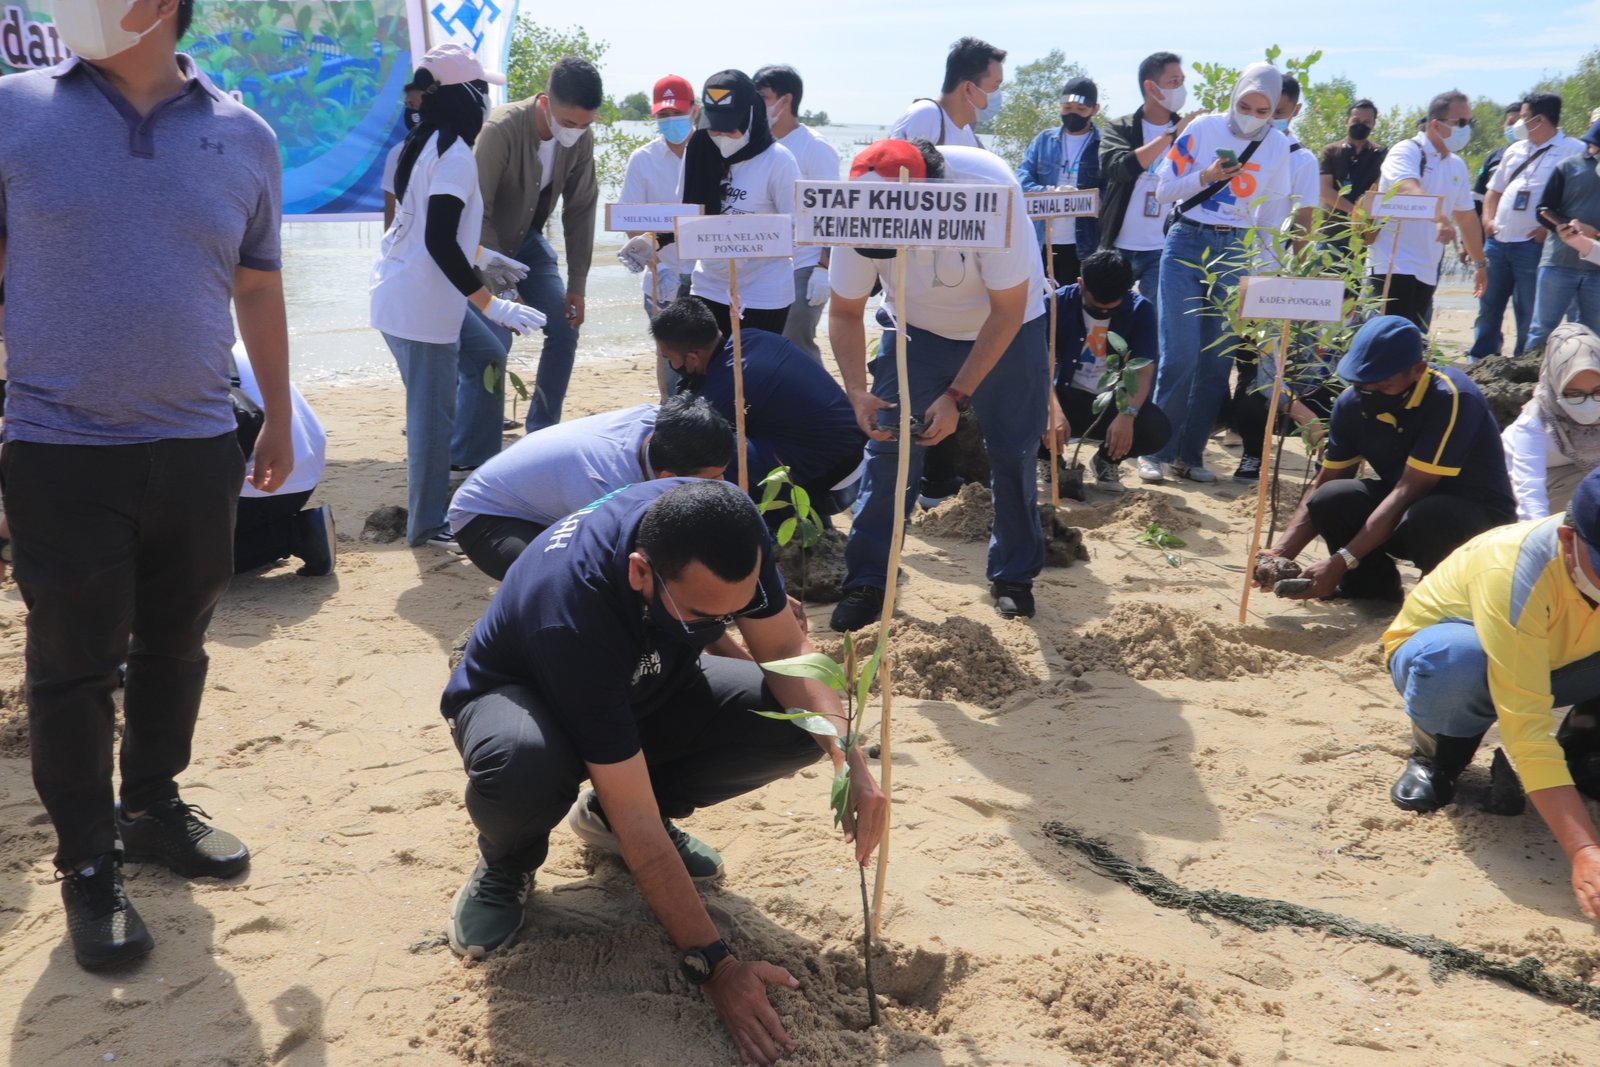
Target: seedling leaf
<point>808,721</point>
<point>839,795</point>
<point>813,665</point>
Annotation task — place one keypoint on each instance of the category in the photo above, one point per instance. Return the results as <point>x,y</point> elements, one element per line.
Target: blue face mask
<point>1511,135</point>
<point>1281,124</point>
<point>991,107</point>
<point>676,130</point>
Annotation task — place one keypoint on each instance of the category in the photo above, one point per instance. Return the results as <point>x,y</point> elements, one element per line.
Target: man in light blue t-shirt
<point>551,473</point>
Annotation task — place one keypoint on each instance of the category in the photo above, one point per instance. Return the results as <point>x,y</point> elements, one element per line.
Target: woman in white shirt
<point>1556,439</point>
<point>424,277</point>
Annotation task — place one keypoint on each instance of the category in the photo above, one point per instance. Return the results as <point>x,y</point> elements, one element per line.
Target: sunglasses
<point>695,627</point>
<point>1458,123</point>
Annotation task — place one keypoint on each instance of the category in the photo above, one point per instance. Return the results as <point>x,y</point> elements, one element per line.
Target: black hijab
<point>705,168</point>
<point>452,111</point>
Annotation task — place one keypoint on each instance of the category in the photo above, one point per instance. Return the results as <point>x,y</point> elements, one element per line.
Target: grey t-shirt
<point>553,472</point>
<point>122,236</point>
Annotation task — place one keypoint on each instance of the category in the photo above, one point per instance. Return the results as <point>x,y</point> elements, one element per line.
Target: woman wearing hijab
<point>732,166</point>
<point>424,278</point>
<point>1556,439</point>
<point>1214,176</point>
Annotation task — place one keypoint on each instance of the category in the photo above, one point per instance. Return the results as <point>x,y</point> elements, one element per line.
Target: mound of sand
<point>1136,510</point>
<point>1157,641</point>
<point>967,516</point>
<point>957,659</point>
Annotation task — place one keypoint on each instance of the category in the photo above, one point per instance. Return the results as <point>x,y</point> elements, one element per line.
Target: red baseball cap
<point>884,159</point>
<point>674,92</point>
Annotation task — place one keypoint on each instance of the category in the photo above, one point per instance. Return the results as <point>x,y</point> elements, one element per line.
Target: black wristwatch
<point>699,964</point>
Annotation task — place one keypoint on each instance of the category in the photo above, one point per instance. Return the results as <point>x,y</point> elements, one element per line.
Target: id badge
<point>1152,206</point>
<point>1520,202</point>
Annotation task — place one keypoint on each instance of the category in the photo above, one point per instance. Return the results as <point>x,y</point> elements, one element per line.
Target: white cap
<point>453,64</point>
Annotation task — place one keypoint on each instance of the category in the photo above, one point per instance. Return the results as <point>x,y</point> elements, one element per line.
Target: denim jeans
<point>801,325</point>
<point>1559,289</point>
<point>545,290</point>
<point>1146,270</point>
<point>480,412</point>
<point>1010,405</point>
<point>1513,276</point>
<point>430,374</point>
<point>1443,674</point>
<point>1192,375</point>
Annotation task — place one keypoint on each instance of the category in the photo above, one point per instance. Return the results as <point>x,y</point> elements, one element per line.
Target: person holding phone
<point>1569,269</point>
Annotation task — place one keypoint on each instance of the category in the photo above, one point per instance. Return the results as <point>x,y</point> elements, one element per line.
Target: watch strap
<point>699,964</point>
<point>955,394</point>
<point>1351,560</point>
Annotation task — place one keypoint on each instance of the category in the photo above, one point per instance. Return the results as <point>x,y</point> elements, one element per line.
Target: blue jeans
<point>1561,288</point>
<point>1146,270</point>
<point>430,374</point>
<point>1010,405</point>
<point>1192,375</point>
<point>1513,276</point>
<point>545,290</point>
<point>1443,674</point>
<point>480,412</point>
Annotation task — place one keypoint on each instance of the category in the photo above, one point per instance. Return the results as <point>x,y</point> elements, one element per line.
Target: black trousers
<point>493,542</point>
<point>1430,530</point>
<point>702,745</point>
<point>1151,427</point>
<point>1408,298</point>
<point>1067,266</point>
<point>1247,412</point>
<point>122,553</point>
<point>264,532</point>
<point>770,319</point>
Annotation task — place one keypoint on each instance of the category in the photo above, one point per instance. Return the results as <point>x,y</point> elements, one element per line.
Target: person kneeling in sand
<point>551,473</point>
<point>588,665</point>
<point>1504,631</point>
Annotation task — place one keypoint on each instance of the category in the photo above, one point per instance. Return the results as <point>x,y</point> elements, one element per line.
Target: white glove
<point>518,318</point>
<point>817,288</point>
<point>635,255</point>
<point>499,272</point>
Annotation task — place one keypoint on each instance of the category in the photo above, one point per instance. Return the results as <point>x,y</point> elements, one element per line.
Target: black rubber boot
<point>1429,781</point>
<point>1579,736</point>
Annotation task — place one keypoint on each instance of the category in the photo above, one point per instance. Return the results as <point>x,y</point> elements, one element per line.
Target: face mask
<point>1075,123</point>
<point>676,130</point>
<point>772,114</point>
<point>1585,410</point>
<point>1585,586</point>
<point>1519,130</point>
<point>991,106</point>
<point>567,136</point>
<point>1281,125</point>
<point>672,628</point>
<point>1100,314</point>
<point>1173,99</point>
<point>687,380</point>
<point>1458,138</point>
<point>1248,124</point>
<point>729,145</point>
<point>93,28</point>
<point>1511,135</point>
<point>412,117</point>
<point>1375,404</point>
<point>1360,131</point>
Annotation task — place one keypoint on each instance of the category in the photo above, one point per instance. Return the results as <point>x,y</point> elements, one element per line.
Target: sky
<point>864,62</point>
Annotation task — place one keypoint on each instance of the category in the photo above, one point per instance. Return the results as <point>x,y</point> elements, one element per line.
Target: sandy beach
<point>1250,759</point>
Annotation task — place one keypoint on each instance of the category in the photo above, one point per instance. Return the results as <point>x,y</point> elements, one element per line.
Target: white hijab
<point>1261,78</point>
<point>1570,349</point>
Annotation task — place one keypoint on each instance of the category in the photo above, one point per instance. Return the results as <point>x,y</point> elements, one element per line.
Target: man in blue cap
<point>1504,632</point>
<point>1429,438</point>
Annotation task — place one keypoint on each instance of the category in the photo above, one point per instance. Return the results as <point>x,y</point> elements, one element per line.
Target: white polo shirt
<point>652,178</point>
<point>1419,251</point>
<point>1532,164</point>
<point>818,160</point>
<point>947,289</point>
<point>926,119</point>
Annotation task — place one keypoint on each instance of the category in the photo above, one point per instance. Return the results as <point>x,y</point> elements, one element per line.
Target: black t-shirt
<point>1359,170</point>
<point>567,624</point>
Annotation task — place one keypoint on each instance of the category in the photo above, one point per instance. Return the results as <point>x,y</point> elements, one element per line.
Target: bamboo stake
<point>738,374</point>
<point>902,478</point>
<point>1261,479</point>
<point>1394,246</point>
<point>655,287</point>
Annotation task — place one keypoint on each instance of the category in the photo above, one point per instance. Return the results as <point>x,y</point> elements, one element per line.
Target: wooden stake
<point>1050,382</point>
<point>655,288</point>
<point>1394,246</point>
<point>738,374</point>
<point>1262,477</point>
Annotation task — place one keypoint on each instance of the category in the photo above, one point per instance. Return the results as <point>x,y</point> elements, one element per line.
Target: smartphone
<point>1229,157</point>
<point>893,428</point>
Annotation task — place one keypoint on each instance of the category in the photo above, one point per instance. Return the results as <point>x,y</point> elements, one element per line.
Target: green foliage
<point>634,106</point>
<point>1032,103</point>
<point>814,118</point>
<point>1212,86</point>
<point>1159,537</point>
<point>1120,380</point>
<point>1579,92</point>
<point>805,521</point>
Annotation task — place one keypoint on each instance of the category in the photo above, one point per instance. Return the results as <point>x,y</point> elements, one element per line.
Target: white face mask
<point>729,145</point>
<point>1248,123</point>
<point>1173,99</point>
<point>1458,138</point>
<point>93,28</point>
<point>1580,579</point>
<point>566,136</point>
<point>772,114</point>
<point>1519,130</point>
<point>1584,410</point>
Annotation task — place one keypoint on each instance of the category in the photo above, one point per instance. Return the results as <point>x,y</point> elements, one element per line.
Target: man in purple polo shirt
<point>136,202</point>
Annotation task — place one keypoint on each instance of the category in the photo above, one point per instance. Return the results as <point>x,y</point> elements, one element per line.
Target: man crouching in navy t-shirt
<point>588,665</point>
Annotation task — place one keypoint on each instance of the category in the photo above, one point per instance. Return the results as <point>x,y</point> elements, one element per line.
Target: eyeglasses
<point>1593,394</point>
<point>694,627</point>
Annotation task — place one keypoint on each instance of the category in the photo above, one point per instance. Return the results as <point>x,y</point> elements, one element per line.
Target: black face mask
<point>1075,123</point>
<point>1100,314</point>
<point>1360,131</point>
<point>1375,404</point>
<point>688,381</point>
<point>413,116</point>
<point>673,629</point>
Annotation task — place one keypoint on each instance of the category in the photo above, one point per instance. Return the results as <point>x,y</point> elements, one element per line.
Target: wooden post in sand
<point>1287,299</point>
<point>736,237</point>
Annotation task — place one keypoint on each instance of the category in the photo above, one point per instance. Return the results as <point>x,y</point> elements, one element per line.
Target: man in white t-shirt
<point>782,89</point>
<point>1130,150</point>
<point>977,328</point>
<point>1427,164</point>
<point>1515,239</point>
<point>973,72</point>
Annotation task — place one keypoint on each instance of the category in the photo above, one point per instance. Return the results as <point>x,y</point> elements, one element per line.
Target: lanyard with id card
<point>1524,195</point>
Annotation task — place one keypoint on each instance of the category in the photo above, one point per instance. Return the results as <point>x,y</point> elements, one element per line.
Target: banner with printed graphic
<point>327,75</point>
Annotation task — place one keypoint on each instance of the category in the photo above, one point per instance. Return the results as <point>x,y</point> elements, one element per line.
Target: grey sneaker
<point>487,912</point>
<point>1193,474</point>
<point>588,821</point>
<point>1150,470</point>
<point>1108,476</point>
<point>105,928</point>
<point>170,833</point>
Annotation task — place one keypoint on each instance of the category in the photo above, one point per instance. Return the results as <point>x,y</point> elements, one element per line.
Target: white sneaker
<point>1150,470</point>
<point>444,541</point>
<point>1193,474</point>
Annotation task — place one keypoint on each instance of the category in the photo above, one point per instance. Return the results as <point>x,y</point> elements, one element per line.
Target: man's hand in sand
<point>1324,578</point>
<point>1586,880</point>
<point>738,990</point>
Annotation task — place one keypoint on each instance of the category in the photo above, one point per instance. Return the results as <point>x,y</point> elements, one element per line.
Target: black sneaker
<point>1249,471</point>
<point>105,928</point>
<point>1012,600</point>
<point>861,606</point>
<point>313,539</point>
<point>170,834</point>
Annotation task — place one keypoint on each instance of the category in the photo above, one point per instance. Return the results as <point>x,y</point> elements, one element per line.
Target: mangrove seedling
<point>805,522</point>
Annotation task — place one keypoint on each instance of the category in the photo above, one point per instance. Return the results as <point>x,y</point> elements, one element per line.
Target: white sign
<point>649,217</point>
<point>1280,297</point>
<point>1071,204</point>
<point>735,236</point>
<point>1403,206</point>
<point>902,214</point>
